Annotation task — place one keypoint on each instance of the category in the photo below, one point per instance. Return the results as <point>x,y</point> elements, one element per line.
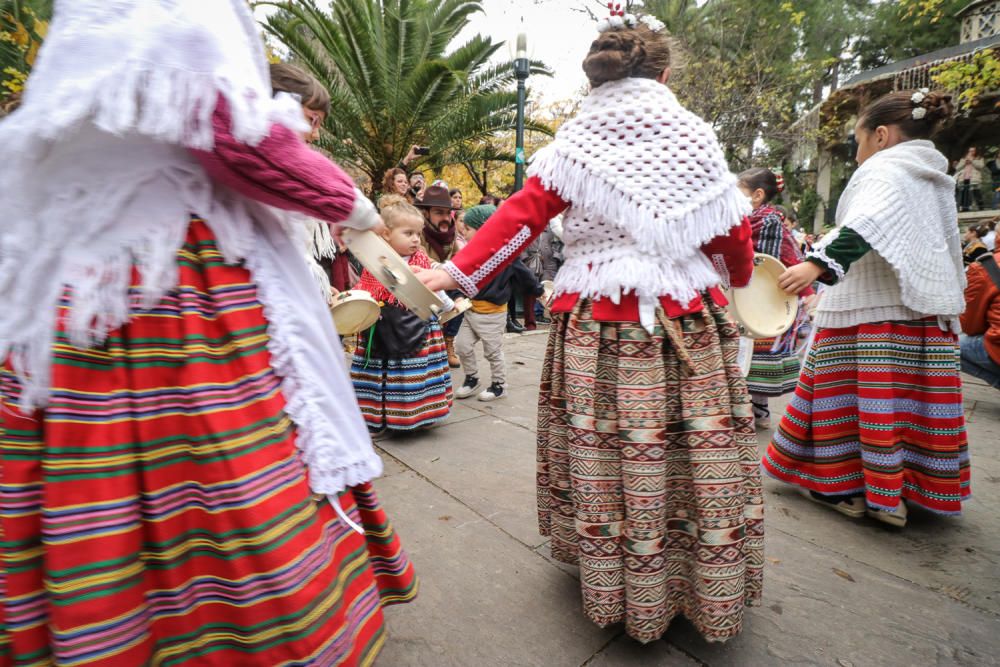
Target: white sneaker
<point>469,387</point>
<point>495,392</point>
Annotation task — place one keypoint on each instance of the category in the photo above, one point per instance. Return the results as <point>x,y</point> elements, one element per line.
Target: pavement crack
<point>602,649</point>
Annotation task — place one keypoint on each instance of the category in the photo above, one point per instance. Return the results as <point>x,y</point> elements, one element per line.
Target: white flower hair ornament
<point>621,19</point>
<point>920,95</point>
<point>652,23</point>
<point>919,113</point>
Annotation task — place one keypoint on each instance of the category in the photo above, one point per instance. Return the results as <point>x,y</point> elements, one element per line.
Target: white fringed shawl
<point>97,180</point>
<point>637,158</point>
<point>902,201</point>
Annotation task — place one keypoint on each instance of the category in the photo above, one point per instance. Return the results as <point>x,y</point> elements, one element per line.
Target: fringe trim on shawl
<point>170,106</point>
<point>645,277</point>
<point>316,432</point>
<point>575,181</point>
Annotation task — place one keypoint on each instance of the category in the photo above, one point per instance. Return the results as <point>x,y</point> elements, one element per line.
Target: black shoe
<point>513,326</point>
<point>495,392</point>
<point>468,388</point>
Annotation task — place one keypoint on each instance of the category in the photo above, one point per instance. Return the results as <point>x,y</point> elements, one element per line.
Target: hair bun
<point>939,107</point>
<point>614,55</point>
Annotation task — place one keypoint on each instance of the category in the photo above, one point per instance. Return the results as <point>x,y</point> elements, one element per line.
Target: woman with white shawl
<point>648,475</point>
<point>185,470</point>
<point>877,420</point>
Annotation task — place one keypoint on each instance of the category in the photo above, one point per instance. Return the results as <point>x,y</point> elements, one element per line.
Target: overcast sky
<point>557,35</point>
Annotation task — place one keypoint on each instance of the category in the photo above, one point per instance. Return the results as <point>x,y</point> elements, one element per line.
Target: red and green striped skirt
<point>157,510</point>
<point>878,410</point>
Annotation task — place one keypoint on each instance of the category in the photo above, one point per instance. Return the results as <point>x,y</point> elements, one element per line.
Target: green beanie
<point>477,216</point>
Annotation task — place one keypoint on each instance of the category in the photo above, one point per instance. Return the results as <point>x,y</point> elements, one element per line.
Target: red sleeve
<point>732,255</point>
<point>281,171</point>
<point>977,301</point>
<point>505,236</point>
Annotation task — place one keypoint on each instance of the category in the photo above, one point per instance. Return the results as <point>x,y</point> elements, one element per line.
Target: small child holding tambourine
<point>400,366</point>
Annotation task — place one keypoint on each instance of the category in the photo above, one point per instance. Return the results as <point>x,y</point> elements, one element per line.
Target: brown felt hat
<point>436,197</point>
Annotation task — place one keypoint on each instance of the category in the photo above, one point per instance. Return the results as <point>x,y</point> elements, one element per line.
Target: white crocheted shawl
<point>902,201</point>
<point>636,157</point>
<point>97,180</point>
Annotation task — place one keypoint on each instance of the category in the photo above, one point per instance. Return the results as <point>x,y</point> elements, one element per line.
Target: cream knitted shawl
<point>637,158</point>
<point>902,202</point>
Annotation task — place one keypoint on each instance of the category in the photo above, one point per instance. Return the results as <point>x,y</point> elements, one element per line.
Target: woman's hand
<point>437,279</point>
<point>799,277</point>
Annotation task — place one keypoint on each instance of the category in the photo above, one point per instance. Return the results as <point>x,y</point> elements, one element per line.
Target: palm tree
<point>395,81</point>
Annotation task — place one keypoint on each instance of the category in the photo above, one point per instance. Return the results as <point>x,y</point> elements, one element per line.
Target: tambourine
<point>353,311</point>
<point>462,304</point>
<point>392,271</point>
<point>762,309</point>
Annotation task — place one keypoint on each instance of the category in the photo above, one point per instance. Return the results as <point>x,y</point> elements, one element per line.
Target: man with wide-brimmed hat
<point>439,228</point>
<point>440,245</point>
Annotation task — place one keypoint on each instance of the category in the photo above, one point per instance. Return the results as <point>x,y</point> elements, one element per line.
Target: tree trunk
<point>480,184</point>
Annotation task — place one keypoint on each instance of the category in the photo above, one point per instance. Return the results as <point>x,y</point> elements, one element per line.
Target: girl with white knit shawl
<point>877,419</point>
<point>185,470</point>
<point>648,475</point>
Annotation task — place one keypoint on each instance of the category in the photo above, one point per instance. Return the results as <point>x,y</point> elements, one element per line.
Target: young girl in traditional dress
<point>877,420</point>
<point>774,370</point>
<point>648,474</point>
<point>400,367</point>
<point>185,471</point>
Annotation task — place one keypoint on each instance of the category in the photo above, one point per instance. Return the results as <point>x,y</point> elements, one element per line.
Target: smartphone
<point>422,150</point>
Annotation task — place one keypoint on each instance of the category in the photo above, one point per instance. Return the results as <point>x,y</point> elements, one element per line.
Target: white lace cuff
<point>465,283</point>
<point>364,215</point>
<point>719,262</point>
<point>830,263</point>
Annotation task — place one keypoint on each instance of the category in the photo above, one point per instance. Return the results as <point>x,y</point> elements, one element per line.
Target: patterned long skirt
<point>774,368</point>
<point>157,512</point>
<point>878,410</point>
<point>647,472</point>
<point>404,394</point>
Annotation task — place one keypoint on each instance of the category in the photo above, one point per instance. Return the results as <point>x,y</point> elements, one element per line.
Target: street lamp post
<point>522,67</point>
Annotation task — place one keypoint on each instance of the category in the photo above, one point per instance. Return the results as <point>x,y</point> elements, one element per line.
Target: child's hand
<point>799,277</point>
<point>436,280</point>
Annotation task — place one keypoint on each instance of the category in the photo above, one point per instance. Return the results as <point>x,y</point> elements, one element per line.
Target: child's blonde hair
<point>395,208</point>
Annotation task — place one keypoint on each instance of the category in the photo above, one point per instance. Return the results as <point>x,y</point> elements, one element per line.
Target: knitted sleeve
<point>281,171</point>
<point>771,233</point>
<point>732,255</point>
<point>837,257</point>
<point>505,236</point>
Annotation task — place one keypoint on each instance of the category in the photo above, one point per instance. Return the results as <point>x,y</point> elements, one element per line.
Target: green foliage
<point>397,79</point>
<point>23,24</point>
<point>974,79</point>
<point>907,28</point>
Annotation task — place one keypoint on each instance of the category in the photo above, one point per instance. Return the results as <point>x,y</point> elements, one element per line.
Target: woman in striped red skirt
<point>185,475</point>
<point>648,474</point>
<point>877,420</point>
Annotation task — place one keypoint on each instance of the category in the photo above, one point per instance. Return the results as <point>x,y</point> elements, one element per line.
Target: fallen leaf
<point>842,574</point>
<point>444,518</point>
<point>776,561</point>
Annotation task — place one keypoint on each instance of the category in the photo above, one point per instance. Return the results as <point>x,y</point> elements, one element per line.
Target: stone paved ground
<point>837,592</point>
